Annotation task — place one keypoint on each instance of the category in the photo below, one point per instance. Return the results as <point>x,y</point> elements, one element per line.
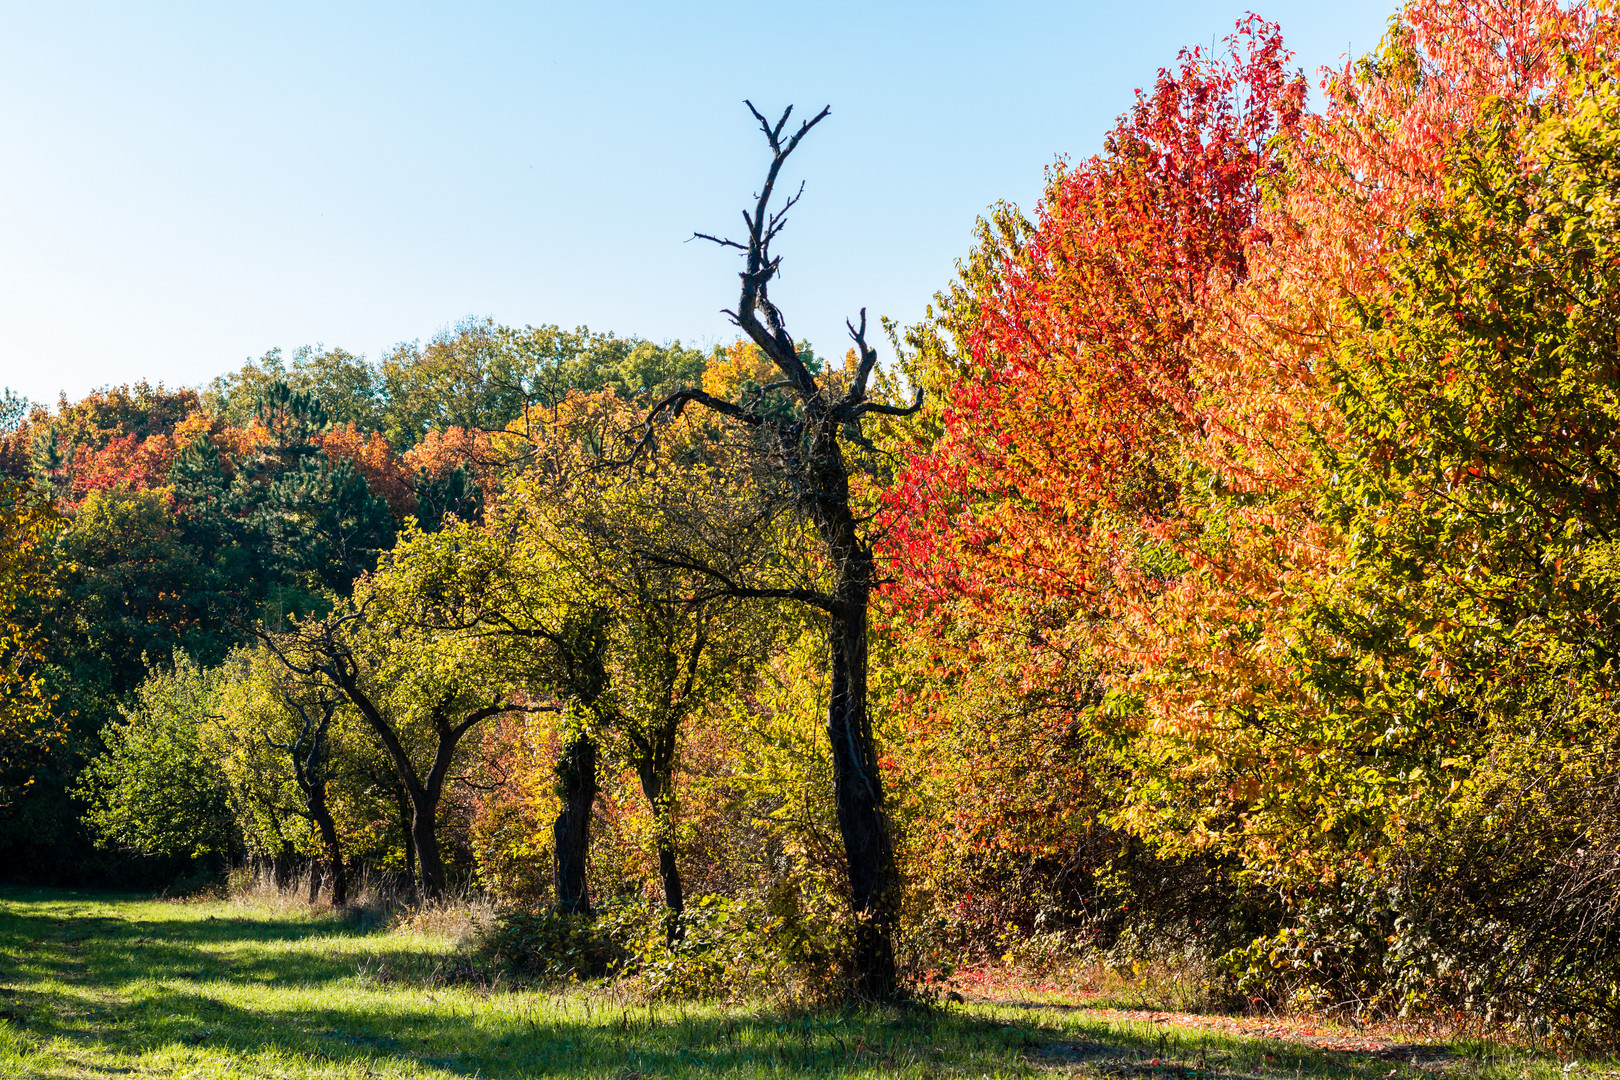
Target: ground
<point>93,985</point>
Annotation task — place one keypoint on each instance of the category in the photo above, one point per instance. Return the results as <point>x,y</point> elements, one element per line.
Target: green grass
<point>93,985</point>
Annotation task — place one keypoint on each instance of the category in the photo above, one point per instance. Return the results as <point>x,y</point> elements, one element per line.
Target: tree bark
<point>576,787</point>
<point>335,871</point>
<point>863,821</point>
<point>403,802</point>
<point>858,796</point>
<point>281,866</point>
<point>425,840</point>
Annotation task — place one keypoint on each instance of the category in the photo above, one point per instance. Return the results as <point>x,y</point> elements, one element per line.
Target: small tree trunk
<point>425,839</point>
<point>334,853</point>
<point>340,882</point>
<point>657,784</point>
<point>404,805</point>
<point>858,795</point>
<point>576,787</point>
<point>281,866</point>
<point>314,880</point>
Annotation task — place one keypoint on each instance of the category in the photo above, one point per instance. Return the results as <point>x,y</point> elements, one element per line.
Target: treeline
<point>1243,584</point>
<point>190,519</point>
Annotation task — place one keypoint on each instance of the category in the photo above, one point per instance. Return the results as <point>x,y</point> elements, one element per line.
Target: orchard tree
<point>286,743</point>
<point>629,643</point>
<point>500,583</point>
<point>674,645</point>
<point>418,691</point>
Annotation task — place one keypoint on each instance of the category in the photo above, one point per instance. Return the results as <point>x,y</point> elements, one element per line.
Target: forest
<point>1218,586</point>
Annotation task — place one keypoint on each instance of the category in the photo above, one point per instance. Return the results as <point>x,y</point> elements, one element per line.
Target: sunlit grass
<point>99,986</point>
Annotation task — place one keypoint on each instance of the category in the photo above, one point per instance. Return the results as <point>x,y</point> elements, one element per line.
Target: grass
<point>95,985</point>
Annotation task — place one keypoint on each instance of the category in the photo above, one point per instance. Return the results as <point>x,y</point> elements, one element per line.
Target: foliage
<point>1244,582</point>
<point>725,949</point>
<point>1269,510</point>
<point>553,946</point>
<point>27,527</point>
<point>156,788</point>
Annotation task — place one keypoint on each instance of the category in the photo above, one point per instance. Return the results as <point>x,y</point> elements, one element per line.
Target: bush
<point>1503,909</point>
<point>718,947</point>
<point>553,947</point>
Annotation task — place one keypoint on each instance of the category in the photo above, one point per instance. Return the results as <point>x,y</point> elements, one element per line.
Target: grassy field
<point>93,985</point>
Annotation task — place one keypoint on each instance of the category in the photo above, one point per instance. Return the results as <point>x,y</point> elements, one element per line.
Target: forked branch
<point>764,225</point>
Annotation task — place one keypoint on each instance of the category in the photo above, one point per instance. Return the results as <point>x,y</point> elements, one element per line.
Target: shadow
<point>88,949</point>
<point>241,995</point>
<point>497,1042</point>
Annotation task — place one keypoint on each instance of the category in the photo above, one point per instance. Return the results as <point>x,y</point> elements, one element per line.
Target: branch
<point>727,587</point>
<point>676,403</point>
<point>719,240</point>
<point>887,410</point>
<point>269,641</point>
<point>499,707</point>
<point>763,227</point>
<point>857,389</point>
<point>741,592</point>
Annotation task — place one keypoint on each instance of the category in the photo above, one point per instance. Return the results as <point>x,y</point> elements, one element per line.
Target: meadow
<point>104,985</point>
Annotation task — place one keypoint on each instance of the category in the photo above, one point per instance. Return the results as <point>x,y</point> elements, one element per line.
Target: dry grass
<point>375,900</point>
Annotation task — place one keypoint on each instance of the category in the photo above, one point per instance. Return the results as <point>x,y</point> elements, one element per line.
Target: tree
<point>800,426</point>
<point>157,789</point>
<point>420,693</point>
<point>319,512</point>
<point>673,646</point>
<point>497,582</point>
<point>27,528</point>
<point>310,752</point>
<point>131,590</point>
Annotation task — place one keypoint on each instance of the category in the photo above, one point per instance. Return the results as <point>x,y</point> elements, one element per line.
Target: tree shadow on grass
<point>101,952</point>
<point>148,986</point>
<point>511,1035</point>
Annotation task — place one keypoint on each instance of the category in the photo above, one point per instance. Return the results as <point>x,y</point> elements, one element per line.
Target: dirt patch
<point>1392,1044</point>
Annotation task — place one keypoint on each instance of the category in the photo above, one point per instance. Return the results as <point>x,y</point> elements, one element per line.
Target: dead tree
<point>803,426</point>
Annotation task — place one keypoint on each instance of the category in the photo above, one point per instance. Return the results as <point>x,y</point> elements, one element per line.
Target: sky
<point>184,186</point>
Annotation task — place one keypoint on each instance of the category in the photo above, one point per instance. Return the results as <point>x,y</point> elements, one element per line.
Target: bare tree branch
<point>763,227</point>
<point>676,403</point>
<point>728,586</point>
<point>868,360</point>
<point>887,410</point>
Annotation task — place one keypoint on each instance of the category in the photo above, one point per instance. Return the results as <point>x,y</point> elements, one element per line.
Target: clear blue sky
<point>183,186</point>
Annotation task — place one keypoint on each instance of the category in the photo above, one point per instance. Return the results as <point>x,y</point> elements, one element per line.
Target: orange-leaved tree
<point>28,528</point>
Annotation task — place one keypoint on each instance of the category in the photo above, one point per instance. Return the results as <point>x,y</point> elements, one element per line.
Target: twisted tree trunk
<point>858,796</point>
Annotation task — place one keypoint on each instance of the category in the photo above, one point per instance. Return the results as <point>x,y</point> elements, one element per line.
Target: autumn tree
<point>418,692</point>
<point>27,528</point>
<point>286,743</point>
<point>674,645</point>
